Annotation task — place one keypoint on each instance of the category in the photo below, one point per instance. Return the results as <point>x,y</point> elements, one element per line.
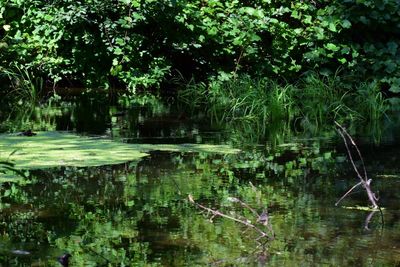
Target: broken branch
<point>218,213</point>
<point>364,181</point>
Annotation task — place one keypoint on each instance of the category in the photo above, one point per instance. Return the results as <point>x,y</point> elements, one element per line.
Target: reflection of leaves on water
<point>135,213</point>
<point>260,223</point>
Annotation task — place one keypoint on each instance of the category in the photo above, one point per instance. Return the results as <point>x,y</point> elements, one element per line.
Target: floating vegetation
<point>388,176</point>
<point>52,149</point>
<point>364,208</point>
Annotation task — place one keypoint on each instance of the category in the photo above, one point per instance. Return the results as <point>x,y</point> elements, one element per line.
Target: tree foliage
<point>141,44</point>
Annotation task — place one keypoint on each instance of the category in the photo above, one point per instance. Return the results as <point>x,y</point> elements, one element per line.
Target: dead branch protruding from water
<point>364,181</point>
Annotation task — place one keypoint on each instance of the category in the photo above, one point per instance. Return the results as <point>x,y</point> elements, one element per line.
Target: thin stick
<point>351,157</point>
<point>244,205</point>
<point>348,192</point>
<point>356,147</point>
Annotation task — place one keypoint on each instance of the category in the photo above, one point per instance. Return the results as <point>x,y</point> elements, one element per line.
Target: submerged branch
<point>215,213</point>
<point>234,199</point>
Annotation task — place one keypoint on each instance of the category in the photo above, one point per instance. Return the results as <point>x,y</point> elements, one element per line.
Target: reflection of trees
<point>111,214</point>
<point>81,210</point>
<point>260,225</point>
<point>138,213</point>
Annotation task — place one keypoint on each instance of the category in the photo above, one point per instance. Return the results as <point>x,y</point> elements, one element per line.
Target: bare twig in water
<point>262,221</point>
<point>347,193</point>
<point>364,181</point>
<point>215,213</point>
<point>234,199</point>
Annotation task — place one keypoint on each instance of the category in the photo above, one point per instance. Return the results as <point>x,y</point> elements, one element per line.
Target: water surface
<point>138,213</point>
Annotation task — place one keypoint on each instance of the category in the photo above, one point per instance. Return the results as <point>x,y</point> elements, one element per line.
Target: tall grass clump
<point>261,106</point>
<point>371,104</point>
<point>22,97</point>
<point>254,104</point>
<point>322,100</point>
<point>26,88</point>
<point>193,96</point>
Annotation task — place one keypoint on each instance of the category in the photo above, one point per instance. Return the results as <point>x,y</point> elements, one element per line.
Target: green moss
<point>52,149</point>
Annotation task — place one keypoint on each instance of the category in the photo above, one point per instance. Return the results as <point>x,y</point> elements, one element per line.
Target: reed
<point>26,87</point>
<point>372,106</point>
<point>256,106</point>
<point>322,100</point>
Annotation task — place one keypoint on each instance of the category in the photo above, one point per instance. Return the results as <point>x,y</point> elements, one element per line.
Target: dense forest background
<point>207,51</point>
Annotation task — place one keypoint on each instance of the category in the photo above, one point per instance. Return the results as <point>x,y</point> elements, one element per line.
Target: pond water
<point>138,213</point>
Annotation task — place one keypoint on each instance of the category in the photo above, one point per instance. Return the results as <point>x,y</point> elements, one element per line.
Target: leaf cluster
<point>141,44</point>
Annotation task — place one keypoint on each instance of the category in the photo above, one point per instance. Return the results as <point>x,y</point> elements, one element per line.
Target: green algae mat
<point>53,149</point>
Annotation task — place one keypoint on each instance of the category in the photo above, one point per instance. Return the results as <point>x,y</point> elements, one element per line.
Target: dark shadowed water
<point>138,213</point>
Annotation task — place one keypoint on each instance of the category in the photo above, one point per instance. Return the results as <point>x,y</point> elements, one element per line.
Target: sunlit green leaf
<point>346,23</point>
<point>332,47</point>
